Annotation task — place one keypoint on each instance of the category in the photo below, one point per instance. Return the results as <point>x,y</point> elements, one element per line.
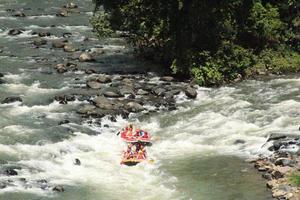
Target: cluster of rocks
<point>111,95</point>
<point>280,165</point>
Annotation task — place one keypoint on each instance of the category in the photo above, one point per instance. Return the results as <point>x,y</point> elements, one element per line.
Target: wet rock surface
<point>280,165</point>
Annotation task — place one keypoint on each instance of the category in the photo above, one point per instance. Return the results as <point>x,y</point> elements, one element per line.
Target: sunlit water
<point>194,147</point>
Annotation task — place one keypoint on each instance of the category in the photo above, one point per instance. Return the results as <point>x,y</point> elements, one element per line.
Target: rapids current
<point>195,150</point>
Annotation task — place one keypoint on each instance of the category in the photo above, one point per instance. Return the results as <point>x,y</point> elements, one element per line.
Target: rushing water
<point>194,149</point>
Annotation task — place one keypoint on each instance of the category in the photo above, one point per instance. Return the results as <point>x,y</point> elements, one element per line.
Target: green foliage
<point>101,24</point>
<point>295,179</point>
<point>212,41</point>
<point>265,22</point>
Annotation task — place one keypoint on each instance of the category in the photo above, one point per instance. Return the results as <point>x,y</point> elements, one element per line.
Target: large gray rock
<point>167,78</point>
<point>284,162</point>
<point>39,41</point>
<point>86,57</point>
<point>70,48</point>
<point>159,91</point>
<point>191,92</point>
<point>94,84</point>
<point>87,109</point>
<point>142,92</point>
<point>59,43</point>
<point>126,89</point>
<point>134,107</point>
<point>112,94</point>
<point>103,103</point>
<point>102,78</point>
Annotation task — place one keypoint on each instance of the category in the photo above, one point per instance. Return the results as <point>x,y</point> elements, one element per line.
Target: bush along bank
<point>281,168</point>
<point>211,41</point>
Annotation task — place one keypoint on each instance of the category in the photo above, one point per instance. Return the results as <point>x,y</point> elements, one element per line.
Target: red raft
<point>138,136</point>
<point>134,154</point>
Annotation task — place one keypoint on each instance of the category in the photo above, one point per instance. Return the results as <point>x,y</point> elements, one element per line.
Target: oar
<point>118,133</point>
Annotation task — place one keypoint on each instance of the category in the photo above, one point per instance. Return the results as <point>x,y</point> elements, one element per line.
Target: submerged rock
<point>62,13</point>
<point>19,13</point>
<point>112,94</point>
<point>77,162</point>
<point>14,32</point>
<point>58,188</point>
<point>103,78</point>
<point>44,34</point>
<point>2,81</point>
<point>11,99</point>
<point>167,78</point>
<point>11,172</point>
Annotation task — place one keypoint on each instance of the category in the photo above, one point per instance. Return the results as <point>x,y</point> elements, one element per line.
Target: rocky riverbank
<point>280,165</point>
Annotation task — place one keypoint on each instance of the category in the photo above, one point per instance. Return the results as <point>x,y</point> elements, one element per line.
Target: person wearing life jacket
<point>129,131</point>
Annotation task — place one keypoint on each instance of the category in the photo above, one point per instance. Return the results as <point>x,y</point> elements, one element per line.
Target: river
<point>199,150</point>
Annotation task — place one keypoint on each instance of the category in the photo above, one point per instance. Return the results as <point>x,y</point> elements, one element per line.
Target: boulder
<point>11,172</point>
<point>64,98</point>
<point>277,174</point>
<point>94,84</point>
<point>77,162</point>
<point>112,94</point>
<point>87,109</point>
<point>14,32</point>
<point>1,75</point>
<point>85,57</point>
<point>167,78</point>
<point>103,103</point>
<point>44,34</point>
<point>90,71</point>
<point>284,162</point>
<point>126,89</point>
<point>239,141</point>
<point>19,13</point>
<point>2,81</point>
<point>62,13</point>
<point>142,92</point>
<point>134,107</point>
<point>61,68</point>
<point>39,42</point>
<point>159,91</point>
<point>267,176</point>
<point>70,48</point>
<point>64,122</point>
<point>190,92</point>
<point>11,99</point>
<point>58,188</point>
<point>67,35</point>
<point>103,78</point>
<point>59,43</point>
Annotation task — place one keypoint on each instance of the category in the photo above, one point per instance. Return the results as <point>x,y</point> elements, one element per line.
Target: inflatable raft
<point>138,136</point>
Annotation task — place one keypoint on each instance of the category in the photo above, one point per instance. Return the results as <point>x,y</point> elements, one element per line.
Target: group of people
<point>135,147</point>
<point>135,151</point>
<point>131,132</point>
